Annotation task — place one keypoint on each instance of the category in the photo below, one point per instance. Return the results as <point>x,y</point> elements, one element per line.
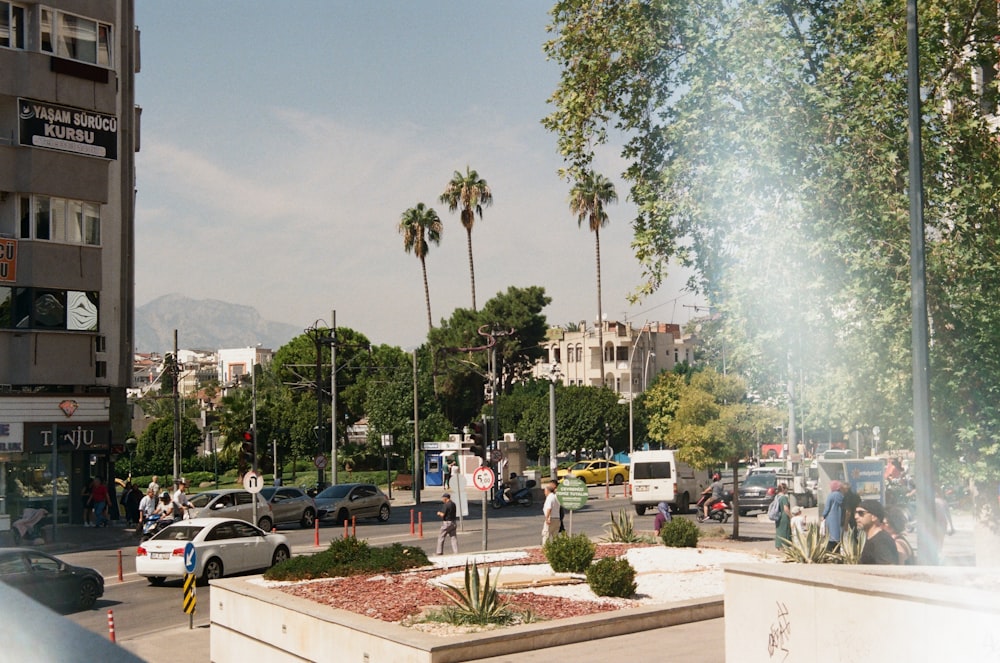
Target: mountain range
<point>205,324</point>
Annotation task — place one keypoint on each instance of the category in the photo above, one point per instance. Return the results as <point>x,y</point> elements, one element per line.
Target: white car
<point>222,547</point>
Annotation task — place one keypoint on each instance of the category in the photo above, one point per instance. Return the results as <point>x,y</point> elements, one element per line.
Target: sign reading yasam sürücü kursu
<point>67,129</point>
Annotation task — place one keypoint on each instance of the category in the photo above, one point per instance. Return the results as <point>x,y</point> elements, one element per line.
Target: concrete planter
<point>251,622</point>
<point>803,612</point>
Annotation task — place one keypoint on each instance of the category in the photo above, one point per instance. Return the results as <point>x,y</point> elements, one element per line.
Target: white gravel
<point>662,574</point>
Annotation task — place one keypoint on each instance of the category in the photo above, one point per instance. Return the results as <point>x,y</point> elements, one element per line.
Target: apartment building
<point>633,356</point>
<point>68,137</point>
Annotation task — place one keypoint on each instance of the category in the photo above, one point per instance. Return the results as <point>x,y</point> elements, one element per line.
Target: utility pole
<point>175,369</point>
<point>333,398</point>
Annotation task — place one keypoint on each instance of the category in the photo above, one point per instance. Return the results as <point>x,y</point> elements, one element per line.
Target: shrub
<point>569,554</point>
<point>346,557</point>
<point>612,576</point>
<point>851,545</point>
<point>679,533</point>
<point>478,602</point>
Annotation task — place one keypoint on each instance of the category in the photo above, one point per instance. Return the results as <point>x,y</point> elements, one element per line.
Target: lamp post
<point>553,376</point>
<point>645,369</point>
<point>631,356</point>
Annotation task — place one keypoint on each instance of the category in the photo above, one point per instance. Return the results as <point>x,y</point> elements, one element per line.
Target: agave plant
<point>809,548</point>
<point>621,529</point>
<point>476,603</point>
<point>851,545</point>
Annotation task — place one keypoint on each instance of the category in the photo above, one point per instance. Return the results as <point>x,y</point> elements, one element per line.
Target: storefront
<point>46,463</point>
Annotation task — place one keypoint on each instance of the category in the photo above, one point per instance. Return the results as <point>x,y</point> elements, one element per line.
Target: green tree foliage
<point>461,352</point>
<point>766,147</point>
<point>154,452</point>
<point>585,418</point>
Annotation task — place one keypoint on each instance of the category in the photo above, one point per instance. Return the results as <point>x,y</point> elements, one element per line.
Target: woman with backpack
<point>783,522</point>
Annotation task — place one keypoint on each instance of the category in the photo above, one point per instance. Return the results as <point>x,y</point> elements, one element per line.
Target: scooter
<point>522,496</point>
<point>153,524</point>
<point>719,512</point>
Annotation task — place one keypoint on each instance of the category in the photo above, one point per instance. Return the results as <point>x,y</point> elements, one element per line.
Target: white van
<point>656,476</point>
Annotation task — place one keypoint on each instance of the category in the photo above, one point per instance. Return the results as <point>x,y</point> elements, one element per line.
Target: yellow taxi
<point>597,472</point>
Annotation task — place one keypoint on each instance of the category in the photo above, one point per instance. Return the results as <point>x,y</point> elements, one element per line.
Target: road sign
<point>572,493</point>
<point>253,482</point>
<point>189,557</point>
<point>320,461</point>
<point>483,478</point>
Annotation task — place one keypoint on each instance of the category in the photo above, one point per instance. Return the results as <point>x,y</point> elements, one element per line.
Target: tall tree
<point>420,227</point>
<point>588,198</point>
<point>471,194</point>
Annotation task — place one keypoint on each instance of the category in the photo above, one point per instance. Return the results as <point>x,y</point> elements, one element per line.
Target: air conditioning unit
<point>455,437</point>
<point>510,437</point>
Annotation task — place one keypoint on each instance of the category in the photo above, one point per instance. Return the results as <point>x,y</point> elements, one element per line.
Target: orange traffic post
<point>354,526</point>
<point>121,576</point>
<point>111,625</point>
<point>607,491</point>
<point>420,519</point>
<point>345,528</point>
<point>316,527</point>
<point>412,521</point>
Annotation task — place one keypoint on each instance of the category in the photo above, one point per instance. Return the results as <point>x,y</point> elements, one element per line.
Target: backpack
<point>774,511</point>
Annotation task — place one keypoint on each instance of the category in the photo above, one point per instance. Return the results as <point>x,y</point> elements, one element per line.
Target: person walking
<point>851,502</point>
<point>147,505</point>
<point>449,530</point>
<point>783,526</point>
<point>154,485</point>
<point>833,515</point>
<point>447,474</point>
<point>549,508</point>
<point>662,517</point>
<point>99,498</point>
<point>88,502</point>
<point>181,499</point>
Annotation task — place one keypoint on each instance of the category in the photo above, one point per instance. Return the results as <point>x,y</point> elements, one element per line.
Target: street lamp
<point>645,369</point>
<point>553,376</point>
<point>631,356</point>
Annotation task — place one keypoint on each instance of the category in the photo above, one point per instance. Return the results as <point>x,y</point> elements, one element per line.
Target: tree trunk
<point>600,312</point>
<point>472,269</point>
<point>427,294</point>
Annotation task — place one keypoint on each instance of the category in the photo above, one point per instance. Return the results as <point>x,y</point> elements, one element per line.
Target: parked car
<point>597,471</point>
<point>222,547</point>
<point>352,500</point>
<point>50,580</point>
<point>290,505</point>
<point>232,503</point>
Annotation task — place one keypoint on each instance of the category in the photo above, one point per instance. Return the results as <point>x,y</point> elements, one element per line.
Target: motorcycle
<point>522,496</point>
<point>720,512</point>
<point>28,528</point>
<point>154,524</point>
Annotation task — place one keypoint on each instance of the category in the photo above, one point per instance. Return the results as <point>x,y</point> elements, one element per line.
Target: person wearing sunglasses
<point>880,548</point>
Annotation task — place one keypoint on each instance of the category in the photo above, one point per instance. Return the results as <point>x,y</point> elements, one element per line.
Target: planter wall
<point>807,613</point>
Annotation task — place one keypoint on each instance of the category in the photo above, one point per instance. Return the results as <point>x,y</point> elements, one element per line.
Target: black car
<point>757,491</point>
<point>50,580</point>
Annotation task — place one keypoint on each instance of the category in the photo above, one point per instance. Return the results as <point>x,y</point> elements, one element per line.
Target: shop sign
<point>67,129</point>
<point>8,260</point>
<point>11,437</point>
<point>93,437</point>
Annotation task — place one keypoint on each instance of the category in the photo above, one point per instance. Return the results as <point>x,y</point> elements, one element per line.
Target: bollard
<point>420,518</point>
<point>121,576</point>
<point>111,625</point>
<point>354,526</point>
<point>346,523</point>
<point>316,527</point>
<point>412,521</point>
<point>607,491</point>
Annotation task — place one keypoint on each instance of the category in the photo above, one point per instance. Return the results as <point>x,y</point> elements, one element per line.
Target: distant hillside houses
<point>228,366</point>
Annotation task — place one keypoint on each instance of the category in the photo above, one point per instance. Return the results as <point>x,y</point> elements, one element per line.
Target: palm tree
<point>471,193</point>
<point>418,226</point>
<point>587,200</point>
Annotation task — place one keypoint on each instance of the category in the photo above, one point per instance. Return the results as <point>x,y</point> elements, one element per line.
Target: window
<point>75,37</point>
<point>11,25</point>
<point>60,220</point>
<point>100,369</point>
<point>38,308</point>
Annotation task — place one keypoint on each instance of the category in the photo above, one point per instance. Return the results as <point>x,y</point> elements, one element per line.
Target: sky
<point>281,143</point>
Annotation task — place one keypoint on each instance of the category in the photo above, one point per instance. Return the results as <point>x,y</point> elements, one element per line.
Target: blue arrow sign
<point>189,557</point>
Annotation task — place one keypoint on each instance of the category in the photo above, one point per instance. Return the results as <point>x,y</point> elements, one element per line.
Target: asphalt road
<point>141,609</point>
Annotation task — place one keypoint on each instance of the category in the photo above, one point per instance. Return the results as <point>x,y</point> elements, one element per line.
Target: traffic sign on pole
<point>253,482</point>
<point>483,478</point>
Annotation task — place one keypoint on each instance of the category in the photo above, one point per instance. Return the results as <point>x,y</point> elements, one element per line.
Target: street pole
<point>175,369</point>
<point>417,469</point>
<point>333,398</point>
<point>553,464</point>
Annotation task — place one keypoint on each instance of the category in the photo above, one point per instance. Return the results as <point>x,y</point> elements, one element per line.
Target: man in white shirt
<point>181,498</point>
<point>550,508</point>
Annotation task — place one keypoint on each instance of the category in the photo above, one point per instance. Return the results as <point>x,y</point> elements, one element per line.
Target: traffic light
<point>247,448</point>
<point>478,446</point>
